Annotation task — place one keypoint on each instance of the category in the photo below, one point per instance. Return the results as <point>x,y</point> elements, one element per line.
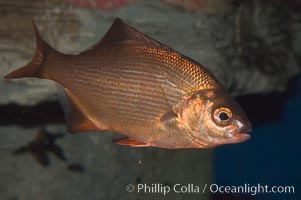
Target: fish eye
<point>222,115</point>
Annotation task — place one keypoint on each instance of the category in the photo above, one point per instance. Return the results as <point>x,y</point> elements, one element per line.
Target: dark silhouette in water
<point>43,143</point>
<point>76,168</point>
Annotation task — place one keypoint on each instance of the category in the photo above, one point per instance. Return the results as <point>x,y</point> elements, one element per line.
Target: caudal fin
<point>34,67</point>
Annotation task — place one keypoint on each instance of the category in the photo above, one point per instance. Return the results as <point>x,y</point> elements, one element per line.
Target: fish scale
<point>106,81</point>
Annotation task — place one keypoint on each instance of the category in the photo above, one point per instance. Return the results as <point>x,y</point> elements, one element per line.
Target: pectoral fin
<point>130,142</point>
<point>168,118</point>
<point>77,120</point>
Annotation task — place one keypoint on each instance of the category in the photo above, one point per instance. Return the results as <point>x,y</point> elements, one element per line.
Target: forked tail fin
<point>34,67</point>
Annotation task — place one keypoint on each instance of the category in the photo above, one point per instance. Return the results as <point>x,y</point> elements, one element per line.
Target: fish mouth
<point>242,134</point>
<point>241,137</point>
<point>235,138</point>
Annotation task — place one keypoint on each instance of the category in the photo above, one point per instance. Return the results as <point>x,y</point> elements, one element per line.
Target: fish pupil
<point>223,116</point>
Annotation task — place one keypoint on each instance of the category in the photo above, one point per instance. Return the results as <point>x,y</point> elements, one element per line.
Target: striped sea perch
<point>133,85</point>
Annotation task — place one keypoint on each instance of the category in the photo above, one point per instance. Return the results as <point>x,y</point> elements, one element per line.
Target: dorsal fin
<point>121,32</point>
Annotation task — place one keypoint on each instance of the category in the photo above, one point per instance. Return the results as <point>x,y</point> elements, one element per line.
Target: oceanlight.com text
<point>252,189</point>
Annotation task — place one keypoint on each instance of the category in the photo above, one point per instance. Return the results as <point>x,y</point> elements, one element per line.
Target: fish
<point>130,84</point>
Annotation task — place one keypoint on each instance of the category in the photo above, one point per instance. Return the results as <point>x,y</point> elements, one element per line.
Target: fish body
<point>131,84</point>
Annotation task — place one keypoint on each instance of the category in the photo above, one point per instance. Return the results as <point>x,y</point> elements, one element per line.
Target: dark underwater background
<point>252,46</point>
<point>271,157</point>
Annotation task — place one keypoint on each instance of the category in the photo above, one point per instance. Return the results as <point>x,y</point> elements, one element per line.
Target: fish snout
<point>247,127</point>
<point>243,128</point>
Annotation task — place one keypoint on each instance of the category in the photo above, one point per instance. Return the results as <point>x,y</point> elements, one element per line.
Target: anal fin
<point>77,120</point>
<point>130,142</point>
